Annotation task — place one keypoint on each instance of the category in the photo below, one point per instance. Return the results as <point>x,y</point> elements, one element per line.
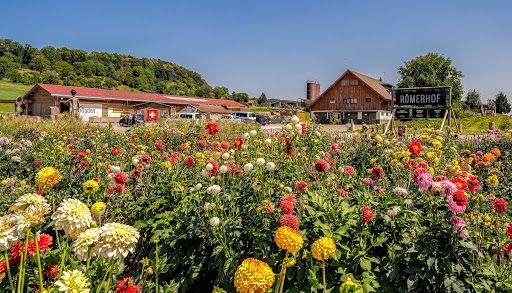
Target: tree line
<point>28,65</point>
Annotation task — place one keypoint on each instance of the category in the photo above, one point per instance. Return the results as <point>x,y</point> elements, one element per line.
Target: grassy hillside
<point>10,90</point>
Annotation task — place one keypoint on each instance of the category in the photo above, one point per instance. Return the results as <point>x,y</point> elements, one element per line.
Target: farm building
<point>46,100</point>
<point>356,97</point>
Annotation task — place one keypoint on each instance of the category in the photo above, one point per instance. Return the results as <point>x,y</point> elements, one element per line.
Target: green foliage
<point>100,69</point>
<point>432,69</point>
<point>502,104</point>
<point>262,101</point>
<point>473,101</point>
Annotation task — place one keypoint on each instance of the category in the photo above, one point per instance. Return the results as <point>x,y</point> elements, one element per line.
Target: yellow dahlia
<point>116,240</point>
<point>32,216</point>
<point>323,248</point>
<point>24,201</point>
<point>349,287</point>
<point>253,276</point>
<point>48,177</point>
<point>7,239</point>
<point>98,209</point>
<point>72,216</point>
<point>91,186</point>
<point>84,241</point>
<point>73,282</point>
<point>288,239</point>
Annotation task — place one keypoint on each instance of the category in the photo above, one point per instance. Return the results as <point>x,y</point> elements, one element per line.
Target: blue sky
<point>276,46</point>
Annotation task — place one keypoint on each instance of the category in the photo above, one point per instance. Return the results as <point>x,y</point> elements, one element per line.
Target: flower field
<point>227,208</point>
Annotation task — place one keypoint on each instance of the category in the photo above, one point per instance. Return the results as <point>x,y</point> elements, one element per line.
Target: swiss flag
<point>152,114</point>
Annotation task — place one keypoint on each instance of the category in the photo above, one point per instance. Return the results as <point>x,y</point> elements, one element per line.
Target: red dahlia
<point>286,207</point>
<point>321,166</point>
<point>367,214</point>
<point>212,128</point>
<point>348,170</point>
<point>411,165</point>
<point>51,272</point>
<point>270,207</point>
<point>119,188</point>
<point>135,174</point>
<point>288,197</point>
<point>461,184</point>
<point>189,162</point>
<point>215,170</point>
<point>145,159</point>
<point>418,172</point>
<point>509,230</point>
<point>440,178</point>
<point>126,286</point>
<point>377,173</point>
<point>460,198</point>
<point>415,148</point>
<point>115,151</point>
<point>301,186</point>
<point>290,221</point>
<point>500,206</point>
<point>202,144</point>
<point>159,145</point>
<point>121,178</point>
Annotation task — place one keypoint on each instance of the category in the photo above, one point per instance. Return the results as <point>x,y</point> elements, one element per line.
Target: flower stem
<point>21,276</point>
<point>88,261</point>
<point>62,265</point>
<point>323,272</point>
<point>8,271</point>
<point>111,267</point>
<point>38,259</point>
<point>156,267</point>
<point>283,273</point>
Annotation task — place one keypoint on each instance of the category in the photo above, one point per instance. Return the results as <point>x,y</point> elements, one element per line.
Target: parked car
<point>262,119</point>
<point>187,116</point>
<point>276,119</point>
<point>132,119</point>
<point>231,118</point>
<point>246,116</point>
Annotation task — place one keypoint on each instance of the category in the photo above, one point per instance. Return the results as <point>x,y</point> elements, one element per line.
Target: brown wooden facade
<point>353,97</point>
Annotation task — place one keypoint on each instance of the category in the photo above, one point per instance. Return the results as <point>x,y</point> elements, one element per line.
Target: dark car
<point>276,119</point>
<point>262,119</point>
<point>132,119</point>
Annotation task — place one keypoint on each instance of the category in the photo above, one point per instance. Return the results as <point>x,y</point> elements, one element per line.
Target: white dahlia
<point>32,216</point>
<point>7,239</point>
<point>73,282</point>
<point>116,240</point>
<point>248,167</point>
<point>72,216</point>
<point>260,162</point>
<point>24,201</point>
<point>84,241</point>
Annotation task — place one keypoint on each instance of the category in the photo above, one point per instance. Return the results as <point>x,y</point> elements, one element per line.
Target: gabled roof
<point>374,84</point>
<point>212,109</point>
<point>93,93</point>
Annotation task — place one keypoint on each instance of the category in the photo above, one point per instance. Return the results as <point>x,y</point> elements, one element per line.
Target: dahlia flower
<point>225,156</point>
<point>500,206</point>
<point>458,222</point>
<point>321,166</point>
<point>91,186</point>
<point>400,191</point>
<point>270,166</point>
<point>454,207</point>
<point>287,239</point>
<point>32,216</point>
<point>253,276</point>
<point>72,216</point>
<point>98,209</point>
<point>116,240</point>
<point>7,239</point>
<point>24,201</point>
<point>248,167</point>
<point>214,222</point>
<point>84,241</point>
<point>260,162</point>
<point>367,214</point>
<point>290,221</point>
<point>48,177</point>
<point>73,282</point>
<point>394,211</point>
<point>268,141</point>
<point>126,286</point>
<point>323,248</point>
<point>424,180</point>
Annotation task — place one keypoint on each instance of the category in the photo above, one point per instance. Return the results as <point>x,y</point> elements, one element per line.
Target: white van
<point>186,116</point>
<point>246,116</point>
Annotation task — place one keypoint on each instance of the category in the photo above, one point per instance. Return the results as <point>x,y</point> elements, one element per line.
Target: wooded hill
<point>28,65</point>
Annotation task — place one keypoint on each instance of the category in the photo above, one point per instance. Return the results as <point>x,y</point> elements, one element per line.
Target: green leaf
<point>365,264</point>
<point>412,281</point>
<point>51,260</point>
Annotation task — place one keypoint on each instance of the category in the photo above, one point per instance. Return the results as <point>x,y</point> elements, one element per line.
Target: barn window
<point>368,100</point>
<point>346,101</point>
<point>353,82</point>
<point>353,101</point>
<point>345,82</point>
<point>332,101</point>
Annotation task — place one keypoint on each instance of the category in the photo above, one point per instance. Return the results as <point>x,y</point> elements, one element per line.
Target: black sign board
<point>436,113</point>
<point>419,113</point>
<point>420,97</point>
<point>402,114</point>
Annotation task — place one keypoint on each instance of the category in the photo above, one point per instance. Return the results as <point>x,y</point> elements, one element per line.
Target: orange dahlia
<point>288,239</point>
<point>48,177</point>
<point>323,248</point>
<point>253,276</point>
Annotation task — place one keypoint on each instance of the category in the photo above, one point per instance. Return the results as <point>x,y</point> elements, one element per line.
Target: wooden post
<point>492,126</point>
<point>459,128</point>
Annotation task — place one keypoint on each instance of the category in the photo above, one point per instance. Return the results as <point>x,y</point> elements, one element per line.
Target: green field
<point>10,90</point>
<point>473,125</point>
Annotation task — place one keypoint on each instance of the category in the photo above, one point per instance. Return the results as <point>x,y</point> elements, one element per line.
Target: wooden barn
<point>356,97</point>
<point>47,101</point>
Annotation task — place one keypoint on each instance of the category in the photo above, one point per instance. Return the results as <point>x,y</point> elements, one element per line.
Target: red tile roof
<point>84,92</point>
<point>374,84</point>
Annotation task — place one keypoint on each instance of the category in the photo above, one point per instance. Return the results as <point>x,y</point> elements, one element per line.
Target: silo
<point>313,90</point>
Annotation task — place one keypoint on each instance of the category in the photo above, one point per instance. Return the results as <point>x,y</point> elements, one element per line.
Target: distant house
<point>353,96</point>
<point>47,100</point>
<point>251,103</point>
<point>281,103</point>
